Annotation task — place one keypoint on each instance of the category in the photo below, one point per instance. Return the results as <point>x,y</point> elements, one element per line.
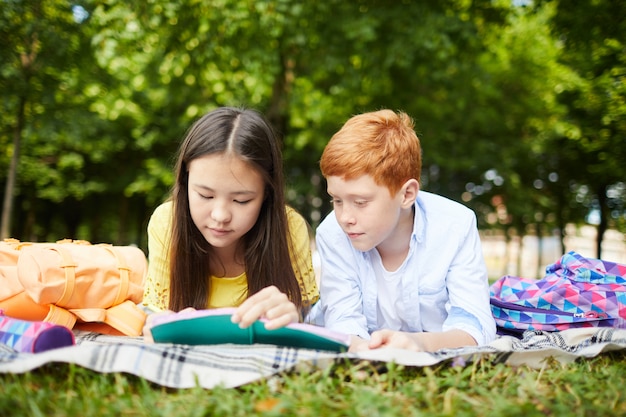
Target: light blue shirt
<point>444,278</point>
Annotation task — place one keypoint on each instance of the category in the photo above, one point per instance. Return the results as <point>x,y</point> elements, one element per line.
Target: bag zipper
<point>591,315</point>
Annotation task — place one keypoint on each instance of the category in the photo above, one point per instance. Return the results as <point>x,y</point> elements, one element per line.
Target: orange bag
<point>95,287</point>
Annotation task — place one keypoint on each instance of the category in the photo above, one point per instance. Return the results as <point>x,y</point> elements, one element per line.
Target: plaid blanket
<point>182,366</point>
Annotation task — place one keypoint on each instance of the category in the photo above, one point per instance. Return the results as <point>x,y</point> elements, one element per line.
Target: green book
<point>214,326</point>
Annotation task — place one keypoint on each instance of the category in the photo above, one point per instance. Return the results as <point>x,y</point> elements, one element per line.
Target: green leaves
<point>524,91</point>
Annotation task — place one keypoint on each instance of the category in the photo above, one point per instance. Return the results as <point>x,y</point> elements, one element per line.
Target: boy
<point>400,267</point>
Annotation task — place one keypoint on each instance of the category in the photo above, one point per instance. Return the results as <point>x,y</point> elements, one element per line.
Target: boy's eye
<point>360,202</point>
<point>335,201</point>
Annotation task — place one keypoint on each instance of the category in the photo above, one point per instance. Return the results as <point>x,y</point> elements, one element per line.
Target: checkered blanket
<point>182,366</point>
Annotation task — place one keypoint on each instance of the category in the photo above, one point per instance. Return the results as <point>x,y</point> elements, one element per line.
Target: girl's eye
<point>360,203</point>
<point>334,201</point>
<point>206,197</point>
<point>242,202</point>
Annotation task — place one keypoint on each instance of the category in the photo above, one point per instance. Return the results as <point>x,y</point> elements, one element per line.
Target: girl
<point>226,237</point>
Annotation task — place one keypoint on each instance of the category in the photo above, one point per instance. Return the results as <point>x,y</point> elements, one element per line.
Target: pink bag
<point>575,292</point>
<point>33,336</point>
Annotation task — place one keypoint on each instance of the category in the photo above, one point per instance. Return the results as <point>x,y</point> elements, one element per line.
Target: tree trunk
<point>602,226</point>
<point>123,229</point>
<point>560,220</point>
<point>281,89</point>
<point>520,252</point>
<point>9,189</point>
<point>539,270</point>
<point>27,60</point>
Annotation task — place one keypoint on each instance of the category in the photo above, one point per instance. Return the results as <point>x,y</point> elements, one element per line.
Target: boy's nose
<point>345,216</point>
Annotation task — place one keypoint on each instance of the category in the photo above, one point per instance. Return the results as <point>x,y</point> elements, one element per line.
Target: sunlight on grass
<point>479,388</point>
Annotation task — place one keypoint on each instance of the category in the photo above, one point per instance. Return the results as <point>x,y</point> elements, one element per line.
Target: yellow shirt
<point>225,292</point>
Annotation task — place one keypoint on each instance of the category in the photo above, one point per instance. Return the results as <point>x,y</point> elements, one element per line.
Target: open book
<point>214,326</point>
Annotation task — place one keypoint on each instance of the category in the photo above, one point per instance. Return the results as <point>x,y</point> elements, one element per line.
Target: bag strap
<point>126,317</point>
<point>69,267</point>
<point>125,270</point>
<point>60,316</point>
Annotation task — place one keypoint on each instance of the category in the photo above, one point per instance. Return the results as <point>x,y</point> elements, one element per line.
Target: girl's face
<point>225,198</point>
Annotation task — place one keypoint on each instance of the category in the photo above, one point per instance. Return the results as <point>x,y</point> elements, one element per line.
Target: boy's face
<point>366,211</point>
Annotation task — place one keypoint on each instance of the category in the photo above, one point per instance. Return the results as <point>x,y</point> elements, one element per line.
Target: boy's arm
<point>340,288</point>
<point>468,288</point>
<point>420,341</point>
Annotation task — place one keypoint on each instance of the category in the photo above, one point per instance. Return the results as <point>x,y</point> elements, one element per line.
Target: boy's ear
<point>409,192</point>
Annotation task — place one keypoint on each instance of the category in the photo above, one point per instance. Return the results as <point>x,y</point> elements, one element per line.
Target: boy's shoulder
<point>438,205</point>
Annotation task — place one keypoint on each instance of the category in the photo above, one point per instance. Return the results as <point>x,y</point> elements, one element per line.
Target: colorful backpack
<point>575,292</point>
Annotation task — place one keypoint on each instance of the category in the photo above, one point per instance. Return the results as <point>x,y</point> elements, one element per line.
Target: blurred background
<point>520,107</point>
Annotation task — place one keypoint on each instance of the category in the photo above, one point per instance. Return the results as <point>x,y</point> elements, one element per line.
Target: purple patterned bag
<point>33,336</point>
<point>575,292</point>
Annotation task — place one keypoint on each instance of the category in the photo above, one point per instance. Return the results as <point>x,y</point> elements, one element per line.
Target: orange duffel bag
<point>75,284</point>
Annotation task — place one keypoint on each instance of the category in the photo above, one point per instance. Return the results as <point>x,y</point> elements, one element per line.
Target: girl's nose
<point>220,213</point>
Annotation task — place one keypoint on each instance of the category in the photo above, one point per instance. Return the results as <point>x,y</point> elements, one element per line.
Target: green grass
<point>588,387</point>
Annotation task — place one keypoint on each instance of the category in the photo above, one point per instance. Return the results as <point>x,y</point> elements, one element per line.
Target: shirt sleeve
<point>340,289</point>
<point>468,290</point>
<point>301,259</point>
<point>156,290</point>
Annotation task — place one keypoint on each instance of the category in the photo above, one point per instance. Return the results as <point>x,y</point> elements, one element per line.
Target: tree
<point>44,48</point>
<point>594,47</point>
<point>116,85</point>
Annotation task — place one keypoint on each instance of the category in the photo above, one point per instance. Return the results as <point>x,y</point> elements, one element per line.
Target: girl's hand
<point>147,334</point>
<point>269,303</point>
<point>358,344</point>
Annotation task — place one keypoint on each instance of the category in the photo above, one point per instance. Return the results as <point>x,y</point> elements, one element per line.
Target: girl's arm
<point>301,257</point>
<point>156,287</point>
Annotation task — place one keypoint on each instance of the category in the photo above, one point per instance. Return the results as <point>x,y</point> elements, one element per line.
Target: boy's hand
<point>269,303</point>
<point>396,339</point>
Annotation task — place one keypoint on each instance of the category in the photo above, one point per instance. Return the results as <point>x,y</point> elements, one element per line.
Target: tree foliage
<point>595,49</point>
<point>508,100</point>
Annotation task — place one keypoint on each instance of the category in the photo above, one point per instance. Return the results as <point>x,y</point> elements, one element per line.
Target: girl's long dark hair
<point>248,135</point>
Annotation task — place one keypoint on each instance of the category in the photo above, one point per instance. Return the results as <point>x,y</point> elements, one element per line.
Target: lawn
<point>588,387</point>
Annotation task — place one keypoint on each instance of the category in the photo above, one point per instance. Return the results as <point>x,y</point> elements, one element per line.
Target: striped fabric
<point>182,366</point>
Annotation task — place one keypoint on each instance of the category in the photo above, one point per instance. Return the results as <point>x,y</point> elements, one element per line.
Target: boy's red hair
<point>382,144</point>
